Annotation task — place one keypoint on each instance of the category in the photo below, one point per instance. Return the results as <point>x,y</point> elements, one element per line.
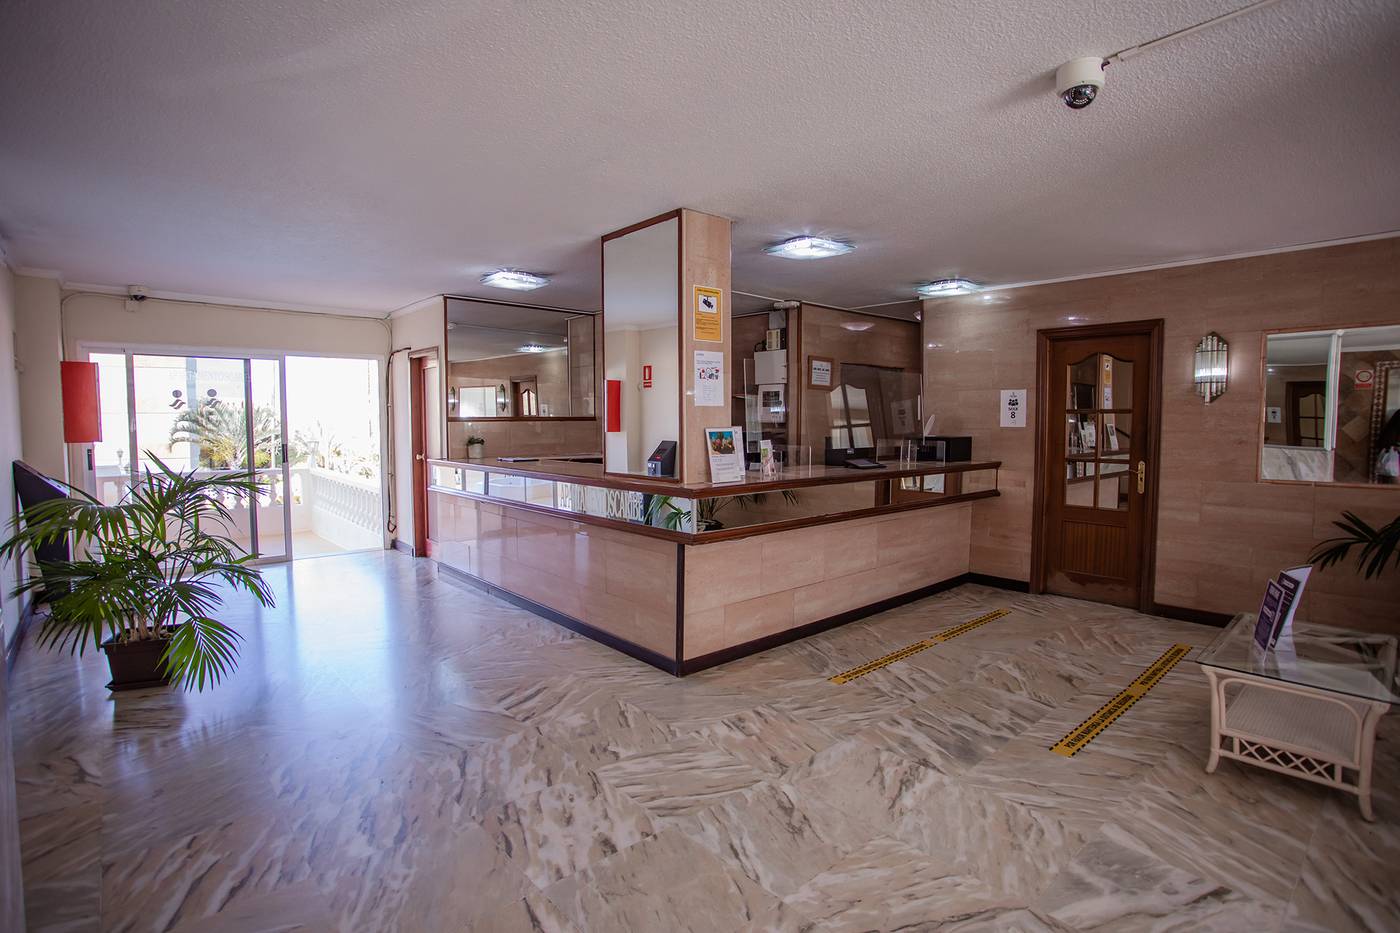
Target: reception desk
<point>685,577</point>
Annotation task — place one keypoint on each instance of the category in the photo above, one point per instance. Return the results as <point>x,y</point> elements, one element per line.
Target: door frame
<point>418,443</point>
<point>1045,339</point>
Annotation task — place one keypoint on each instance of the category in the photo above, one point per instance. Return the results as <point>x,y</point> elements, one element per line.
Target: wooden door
<point>1096,483</point>
<point>1307,413</point>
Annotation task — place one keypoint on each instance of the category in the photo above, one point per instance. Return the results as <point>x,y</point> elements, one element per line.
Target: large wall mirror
<point>641,349</point>
<point>1332,406</point>
<point>509,361</point>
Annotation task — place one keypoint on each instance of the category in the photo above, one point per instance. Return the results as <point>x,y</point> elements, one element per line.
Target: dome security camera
<point>1079,81</point>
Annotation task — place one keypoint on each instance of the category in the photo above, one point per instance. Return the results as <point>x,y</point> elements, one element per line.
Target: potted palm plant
<point>1380,546</point>
<point>476,446</point>
<point>147,575</point>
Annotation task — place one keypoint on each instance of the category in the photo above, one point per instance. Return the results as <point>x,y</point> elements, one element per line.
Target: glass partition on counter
<point>814,495</point>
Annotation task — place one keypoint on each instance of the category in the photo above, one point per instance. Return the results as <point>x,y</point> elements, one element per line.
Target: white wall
<point>418,329</point>
<point>11,448</point>
<point>39,345</point>
<point>660,411</point>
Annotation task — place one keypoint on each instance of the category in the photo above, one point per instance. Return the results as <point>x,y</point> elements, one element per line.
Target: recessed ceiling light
<point>858,325</point>
<point>945,287</point>
<point>532,348</point>
<point>514,279</point>
<point>809,247</point>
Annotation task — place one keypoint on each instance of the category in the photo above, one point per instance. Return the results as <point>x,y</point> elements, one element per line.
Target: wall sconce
<point>502,398</point>
<point>1212,370</point>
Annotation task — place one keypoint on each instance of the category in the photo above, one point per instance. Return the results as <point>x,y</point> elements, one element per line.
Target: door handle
<point>417,456</point>
<point>1142,477</point>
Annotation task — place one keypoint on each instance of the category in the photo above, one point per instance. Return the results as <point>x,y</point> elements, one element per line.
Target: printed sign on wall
<point>707,314</point>
<point>1013,408</point>
<point>709,379</point>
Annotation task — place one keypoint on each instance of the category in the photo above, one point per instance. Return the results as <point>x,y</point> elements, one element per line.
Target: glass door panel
<point>111,456</point>
<point>269,462</point>
<point>191,413</point>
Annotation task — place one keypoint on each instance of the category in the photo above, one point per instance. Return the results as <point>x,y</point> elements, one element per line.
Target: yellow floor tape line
<point>1104,716</point>
<point>902,653</point>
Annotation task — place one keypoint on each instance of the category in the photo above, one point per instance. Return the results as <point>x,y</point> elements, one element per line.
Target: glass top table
<point>1337,660</point>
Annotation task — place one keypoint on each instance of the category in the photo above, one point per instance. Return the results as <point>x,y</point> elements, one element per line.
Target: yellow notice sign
<point>707,314</point>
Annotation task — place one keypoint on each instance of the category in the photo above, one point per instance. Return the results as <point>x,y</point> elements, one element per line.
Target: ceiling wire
<point>1123,55</point>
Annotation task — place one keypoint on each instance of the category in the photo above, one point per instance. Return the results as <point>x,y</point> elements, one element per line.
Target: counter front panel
<point>620,583</point>
<point>704,574</point>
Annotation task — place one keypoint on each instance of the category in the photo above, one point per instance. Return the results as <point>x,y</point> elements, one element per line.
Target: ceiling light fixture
<point>810,247</point>
<point>532,348</point>
<point>514,279</point>
<point>945,287</point>
<point>858,326</point>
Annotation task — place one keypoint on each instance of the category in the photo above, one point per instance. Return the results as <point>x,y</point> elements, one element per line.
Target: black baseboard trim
<point>631,649</point>
<point>27,614</point>
<point>1199,616</point>
<point>405,547</point>
<point>725,655</point>
<point>758,645</point>
<point>1001,583</point>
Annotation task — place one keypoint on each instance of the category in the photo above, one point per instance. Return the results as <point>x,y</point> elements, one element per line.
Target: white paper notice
<point>1013,408</point>
<point>709,378</point>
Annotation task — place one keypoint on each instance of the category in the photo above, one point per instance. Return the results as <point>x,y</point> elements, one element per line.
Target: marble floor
<point>400,752</point>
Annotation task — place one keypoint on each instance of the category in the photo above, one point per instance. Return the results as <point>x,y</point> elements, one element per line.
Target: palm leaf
<point>1379,547</point>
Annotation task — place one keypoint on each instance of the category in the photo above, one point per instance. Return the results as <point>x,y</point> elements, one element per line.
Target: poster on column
<point>1013,408</point>
<point>707,314</point>
<point>709,379</point>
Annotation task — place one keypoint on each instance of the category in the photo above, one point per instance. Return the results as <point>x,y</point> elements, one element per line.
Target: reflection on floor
<point>304,544</point>
<point>400,752</point>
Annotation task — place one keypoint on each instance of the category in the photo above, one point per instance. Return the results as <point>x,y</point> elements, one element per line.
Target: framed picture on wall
<point>821,372</point>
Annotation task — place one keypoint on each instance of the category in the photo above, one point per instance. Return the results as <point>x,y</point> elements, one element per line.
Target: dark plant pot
<point>709,524</point>
<point>136,664</point>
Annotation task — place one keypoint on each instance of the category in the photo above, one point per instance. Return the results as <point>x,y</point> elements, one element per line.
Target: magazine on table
<point>1281,598</point>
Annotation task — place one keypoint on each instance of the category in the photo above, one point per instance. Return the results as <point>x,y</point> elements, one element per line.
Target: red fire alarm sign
<point>646,376</point>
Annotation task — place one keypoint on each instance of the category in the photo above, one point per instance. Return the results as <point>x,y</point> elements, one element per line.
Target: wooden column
<point>705,258</point>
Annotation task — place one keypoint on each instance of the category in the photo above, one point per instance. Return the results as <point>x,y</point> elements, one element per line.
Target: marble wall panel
<point>621,583</point>
<point>738,591</point>
<point>1221,532</point>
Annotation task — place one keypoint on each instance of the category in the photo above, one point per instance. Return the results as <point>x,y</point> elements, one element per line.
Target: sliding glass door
<point>214,415</point>
<point>309,428</point>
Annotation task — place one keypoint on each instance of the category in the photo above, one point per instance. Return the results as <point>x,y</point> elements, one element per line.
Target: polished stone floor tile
<point>666,882</point>
<point>567,827</point>
<point>1116,883</point>
<point>398,752</point>
<point>681,778</point>
<point>886,885</point>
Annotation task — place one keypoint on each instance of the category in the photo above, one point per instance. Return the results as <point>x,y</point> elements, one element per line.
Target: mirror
<point>1332,406</point>
<point>641,349</point>
<point>508,361</point>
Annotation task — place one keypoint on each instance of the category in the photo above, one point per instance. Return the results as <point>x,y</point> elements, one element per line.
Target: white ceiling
<point>364,154</point>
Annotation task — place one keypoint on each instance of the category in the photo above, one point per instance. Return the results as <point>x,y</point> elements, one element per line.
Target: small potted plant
<point>147,576</point>
<point>476,446</point>
<point>663,512</point>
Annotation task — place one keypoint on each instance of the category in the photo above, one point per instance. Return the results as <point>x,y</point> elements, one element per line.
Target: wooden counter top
<point>591,474</point>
